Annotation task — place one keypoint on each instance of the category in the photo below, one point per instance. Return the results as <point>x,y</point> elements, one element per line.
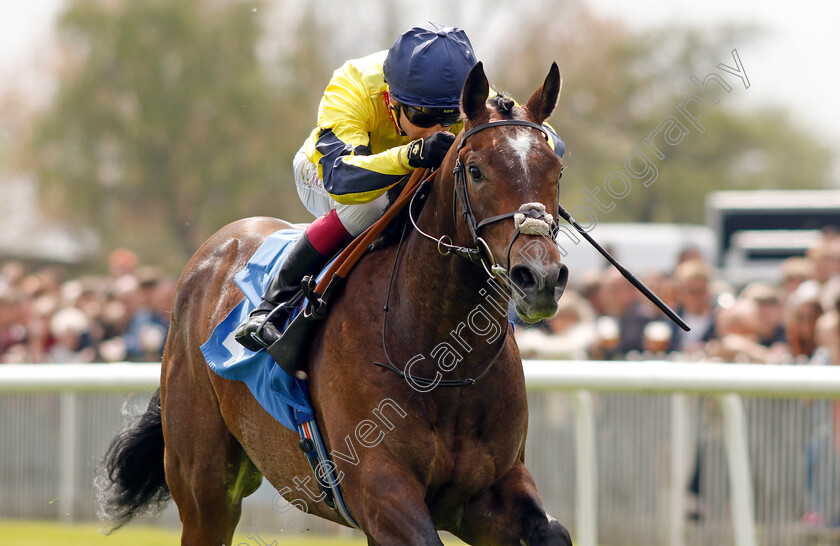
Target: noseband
<point>531,217</point>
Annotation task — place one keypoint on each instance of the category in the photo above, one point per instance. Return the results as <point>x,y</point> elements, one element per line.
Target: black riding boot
<point>257,333</point>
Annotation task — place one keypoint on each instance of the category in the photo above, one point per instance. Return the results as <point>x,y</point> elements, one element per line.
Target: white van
<point>758,254</point>
<point>756,230</point>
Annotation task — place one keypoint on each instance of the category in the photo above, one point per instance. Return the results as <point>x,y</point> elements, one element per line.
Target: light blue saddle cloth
<point>283,396</point>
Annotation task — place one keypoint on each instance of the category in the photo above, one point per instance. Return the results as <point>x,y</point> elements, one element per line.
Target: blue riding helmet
<point>427,66</point>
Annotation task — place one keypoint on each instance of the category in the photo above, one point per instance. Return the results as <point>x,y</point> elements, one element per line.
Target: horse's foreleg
<point>391,509</point>
<point>510,512</point>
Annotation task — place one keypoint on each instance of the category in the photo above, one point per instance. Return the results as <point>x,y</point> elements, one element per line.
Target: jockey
<point>381,117</point>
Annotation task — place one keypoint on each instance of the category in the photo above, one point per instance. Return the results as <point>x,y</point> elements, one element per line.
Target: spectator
<point>663,286</point>
<point>70,328</point>
<point>51,280</point>
<point>164,299</point>
<point>568,335</point>
<point>690,253</point>
<point>146,333</point>
<point>40,338</point>
<point>122,262</point>
<point>736,331</point>
<point>14,315</point>
<point>771,329</point>
<point>794,271</point>
<point>90,299</point>
<point>695,305</point>
<point>11,275</point>
<point>120,305</point>
<point>620,301</point>
<point>656,338</point>
<point>114,318</point>
<point>590,290</point>
<point>827,333</point>
<point>802,312</point>
<point>826,271</point>
<point>825,262</point>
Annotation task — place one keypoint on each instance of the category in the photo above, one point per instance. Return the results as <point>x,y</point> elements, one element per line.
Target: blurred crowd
<point>45,316</point>
<point>791,320</point>
<point>48,317</point>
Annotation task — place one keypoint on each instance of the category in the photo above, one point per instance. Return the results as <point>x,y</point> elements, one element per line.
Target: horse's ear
<point>475,93</point>
<point>542,102</point>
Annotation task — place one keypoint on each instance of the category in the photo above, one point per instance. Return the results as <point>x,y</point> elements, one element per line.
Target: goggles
<point>429,116</point>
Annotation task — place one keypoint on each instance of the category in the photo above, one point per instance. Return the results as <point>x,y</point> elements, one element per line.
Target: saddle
<point>289,350</point>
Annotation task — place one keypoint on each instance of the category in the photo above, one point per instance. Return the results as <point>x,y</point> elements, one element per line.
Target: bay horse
<point>415,456</point>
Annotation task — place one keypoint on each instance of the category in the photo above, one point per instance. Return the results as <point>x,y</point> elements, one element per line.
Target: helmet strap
<point>394,113</point>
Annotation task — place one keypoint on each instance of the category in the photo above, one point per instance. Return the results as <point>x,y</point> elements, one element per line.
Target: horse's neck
<point>447,299</point>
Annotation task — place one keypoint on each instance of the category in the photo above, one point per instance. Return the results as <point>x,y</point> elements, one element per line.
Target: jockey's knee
<point>357,218</point>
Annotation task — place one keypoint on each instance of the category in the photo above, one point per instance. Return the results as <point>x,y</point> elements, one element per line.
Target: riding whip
<point>623,270</point>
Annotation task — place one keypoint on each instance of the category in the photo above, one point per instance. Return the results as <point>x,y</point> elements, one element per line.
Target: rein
<point>414,379</point>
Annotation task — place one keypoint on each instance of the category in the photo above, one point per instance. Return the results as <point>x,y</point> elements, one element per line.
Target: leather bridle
<point>480,251</point>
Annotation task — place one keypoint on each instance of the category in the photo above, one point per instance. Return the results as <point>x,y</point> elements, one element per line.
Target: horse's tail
<point>130,480</point>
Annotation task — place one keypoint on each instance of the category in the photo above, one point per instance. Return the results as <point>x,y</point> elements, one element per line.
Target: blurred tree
<point>619,86</point>
<point>174,118</point>
<point>165,125</point>
<point>16,113</point>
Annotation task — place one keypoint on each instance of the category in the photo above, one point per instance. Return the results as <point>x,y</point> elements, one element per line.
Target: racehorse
<point>420,452</point>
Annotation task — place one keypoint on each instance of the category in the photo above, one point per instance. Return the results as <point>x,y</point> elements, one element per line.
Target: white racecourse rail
<point>723,382</point>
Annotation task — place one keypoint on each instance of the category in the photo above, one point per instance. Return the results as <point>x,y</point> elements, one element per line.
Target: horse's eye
<point>475,173</point>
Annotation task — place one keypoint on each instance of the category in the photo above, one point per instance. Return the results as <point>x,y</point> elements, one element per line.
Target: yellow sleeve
<point>346,117</point>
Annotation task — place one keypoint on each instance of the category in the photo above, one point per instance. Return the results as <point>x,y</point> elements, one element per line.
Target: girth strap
<point>322,467</point>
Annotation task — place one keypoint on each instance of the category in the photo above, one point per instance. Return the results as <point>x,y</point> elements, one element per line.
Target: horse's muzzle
<point>537,289</point>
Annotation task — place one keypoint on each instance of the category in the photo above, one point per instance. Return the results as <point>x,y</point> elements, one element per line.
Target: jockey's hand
<point>428,153</point>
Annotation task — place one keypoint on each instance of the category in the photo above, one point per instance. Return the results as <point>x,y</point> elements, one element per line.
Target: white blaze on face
<point>521,146</point>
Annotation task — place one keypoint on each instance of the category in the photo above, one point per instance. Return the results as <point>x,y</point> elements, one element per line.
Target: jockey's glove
<point>428,153</point>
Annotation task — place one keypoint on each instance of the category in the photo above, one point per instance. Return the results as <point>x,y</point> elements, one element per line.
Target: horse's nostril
<point>562,279</point>
<point>524,278</point>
